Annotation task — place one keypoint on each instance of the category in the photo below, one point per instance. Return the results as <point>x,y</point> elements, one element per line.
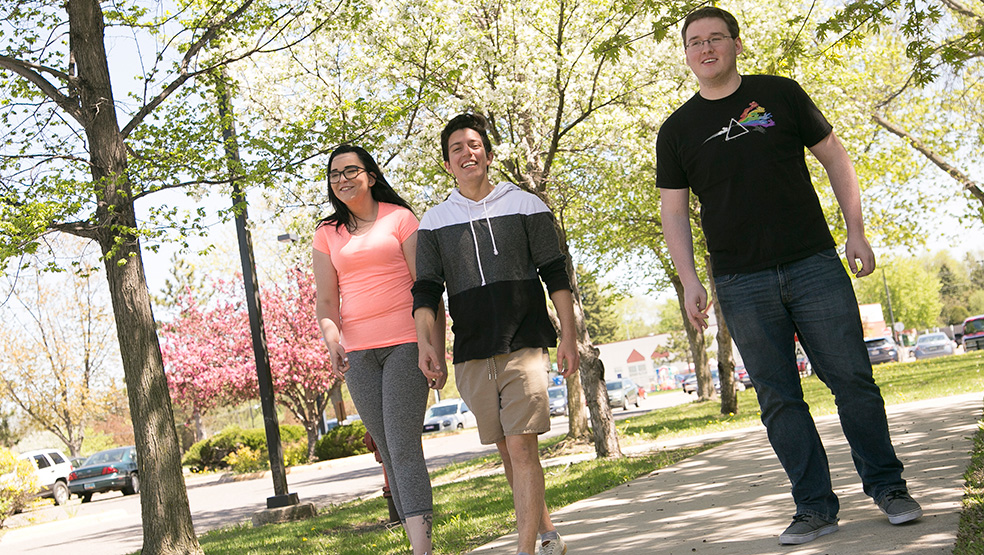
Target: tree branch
<point>193,50</point>
<point>79,229</point>
<point>32,73</point>
<point>933,157</point>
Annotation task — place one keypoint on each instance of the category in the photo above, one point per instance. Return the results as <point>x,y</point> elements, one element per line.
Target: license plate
<point>90,486</point>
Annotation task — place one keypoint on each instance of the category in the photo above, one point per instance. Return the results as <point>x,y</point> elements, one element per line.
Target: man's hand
<point>568,358</point>
<point>858,248</point>
<point>695,298</point>
<point>434,367</point>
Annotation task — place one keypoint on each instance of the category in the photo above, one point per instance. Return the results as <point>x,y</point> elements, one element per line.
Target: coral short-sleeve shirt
<point>373,279</point>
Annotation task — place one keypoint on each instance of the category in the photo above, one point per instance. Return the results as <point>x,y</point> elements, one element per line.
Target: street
<point>110,524</point>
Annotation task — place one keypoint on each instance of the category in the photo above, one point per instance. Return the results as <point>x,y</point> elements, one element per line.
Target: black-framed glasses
<point>714,41</point>
<point>350,172</point>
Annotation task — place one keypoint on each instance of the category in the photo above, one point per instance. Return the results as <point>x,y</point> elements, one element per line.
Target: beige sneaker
<point>554,547</point>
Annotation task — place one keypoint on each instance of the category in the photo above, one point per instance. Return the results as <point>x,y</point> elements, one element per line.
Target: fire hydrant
<point>394,516</point>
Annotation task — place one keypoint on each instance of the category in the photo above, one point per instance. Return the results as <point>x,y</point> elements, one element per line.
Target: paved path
<point>734,499</point>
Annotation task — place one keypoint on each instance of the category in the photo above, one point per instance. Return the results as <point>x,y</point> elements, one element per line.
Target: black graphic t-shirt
<point>744,158</point>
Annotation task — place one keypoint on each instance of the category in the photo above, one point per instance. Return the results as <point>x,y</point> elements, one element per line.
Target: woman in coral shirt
<point>364,267</point>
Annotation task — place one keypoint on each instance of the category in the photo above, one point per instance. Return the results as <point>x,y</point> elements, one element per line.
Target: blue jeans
<point>811,298</point>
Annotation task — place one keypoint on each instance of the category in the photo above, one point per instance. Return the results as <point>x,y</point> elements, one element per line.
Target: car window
<point>106,457</point>
<point>880,342</point>
<point>56,457</point>
<point>614,384</point>
<point>444,410</point>
<point>929,338</point>
<point>556,392</point>
<point>41,461</point>
<point>974,326</point>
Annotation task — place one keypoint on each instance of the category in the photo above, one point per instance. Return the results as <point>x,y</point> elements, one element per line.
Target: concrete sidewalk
<point>734,499</point>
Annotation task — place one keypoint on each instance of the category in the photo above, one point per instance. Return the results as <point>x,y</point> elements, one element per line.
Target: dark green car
<point>110,470</point>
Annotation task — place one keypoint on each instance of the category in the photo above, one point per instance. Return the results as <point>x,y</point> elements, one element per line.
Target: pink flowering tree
<point>209,355</point>
<point>298,357</point>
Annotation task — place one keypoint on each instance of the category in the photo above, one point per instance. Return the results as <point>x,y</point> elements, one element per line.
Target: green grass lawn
<point>476,508</point>
<point>900,383</point>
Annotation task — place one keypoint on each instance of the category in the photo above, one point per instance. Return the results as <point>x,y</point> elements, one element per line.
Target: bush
<point>246,459</point>
<point>211,453</point>
<point>296,453</point>
<point>343,441</point>
<point>18,484</point>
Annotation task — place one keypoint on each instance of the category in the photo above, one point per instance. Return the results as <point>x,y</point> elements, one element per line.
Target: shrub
<point>296,453</point>
<point>246,459</point>
<point>343,441</point>
<point>211,453</point>
<point>18,483</point>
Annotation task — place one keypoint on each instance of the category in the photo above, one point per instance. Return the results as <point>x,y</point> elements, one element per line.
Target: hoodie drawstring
<point>488,221</point>
<point>493,369</point>
<point>478,256</point>
<point>471,226</point>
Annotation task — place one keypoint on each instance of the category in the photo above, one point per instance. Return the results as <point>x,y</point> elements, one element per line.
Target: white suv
<point>52,469</point>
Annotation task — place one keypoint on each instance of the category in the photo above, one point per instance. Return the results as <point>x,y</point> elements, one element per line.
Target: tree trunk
<point>592,377</point>
<point>577,420</point>
<point>726,359</point>
<point>698,348</point>
<point>196,417</point>
<point>167,525</point>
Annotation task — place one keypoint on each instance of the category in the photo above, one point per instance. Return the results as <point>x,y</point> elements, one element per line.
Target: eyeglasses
<point>350,172</point>
<point>714,41</point>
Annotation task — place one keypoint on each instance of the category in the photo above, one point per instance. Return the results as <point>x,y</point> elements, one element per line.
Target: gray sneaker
<point>900,507</point>
<point>555,546</point>
<point>806,528</point>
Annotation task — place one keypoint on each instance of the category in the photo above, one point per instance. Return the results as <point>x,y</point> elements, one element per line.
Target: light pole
<point>264,376</point>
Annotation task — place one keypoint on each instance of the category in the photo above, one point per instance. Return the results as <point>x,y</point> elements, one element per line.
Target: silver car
<point>933,345</point>
<point>622,393</point>
<point>558,400</point>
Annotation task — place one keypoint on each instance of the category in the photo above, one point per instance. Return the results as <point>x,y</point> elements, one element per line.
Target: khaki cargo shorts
<point>507,393</point>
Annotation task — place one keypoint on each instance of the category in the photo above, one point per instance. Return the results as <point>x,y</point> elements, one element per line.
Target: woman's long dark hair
<point>381,191</point>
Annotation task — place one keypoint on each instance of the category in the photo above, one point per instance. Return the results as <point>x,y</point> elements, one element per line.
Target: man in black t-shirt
<point>738,144</point>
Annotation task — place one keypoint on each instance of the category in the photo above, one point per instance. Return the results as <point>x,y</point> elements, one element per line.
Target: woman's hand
<point>339,360</point>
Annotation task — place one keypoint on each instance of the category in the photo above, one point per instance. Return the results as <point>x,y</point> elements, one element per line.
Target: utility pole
<point>278,471</point>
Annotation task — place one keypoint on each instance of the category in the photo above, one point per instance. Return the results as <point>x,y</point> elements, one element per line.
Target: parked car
<point>449,414</point>
<point>622,392</point>
<point>109,470</point>
<point>690,382</point>
<point>52,469</point>
<point>332,423</point>
<point>882,349</point>
<point>931,345</point>
<point>973,333</point>
<point>803,365</point>
<point>558,400</point>
<point>741,376</point>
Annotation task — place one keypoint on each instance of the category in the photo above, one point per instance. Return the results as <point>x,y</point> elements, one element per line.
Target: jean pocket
<point>726,279</point>
<point>829,254</point>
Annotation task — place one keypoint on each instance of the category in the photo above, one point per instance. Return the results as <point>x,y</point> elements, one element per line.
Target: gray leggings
<point>390,393</point>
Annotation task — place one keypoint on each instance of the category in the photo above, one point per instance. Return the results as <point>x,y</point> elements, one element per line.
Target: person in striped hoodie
<point>494,248</point>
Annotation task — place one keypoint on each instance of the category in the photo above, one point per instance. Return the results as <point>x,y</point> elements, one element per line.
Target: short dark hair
<point>707,12</point>
<point>466,121</point>
<point>381,191</point>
